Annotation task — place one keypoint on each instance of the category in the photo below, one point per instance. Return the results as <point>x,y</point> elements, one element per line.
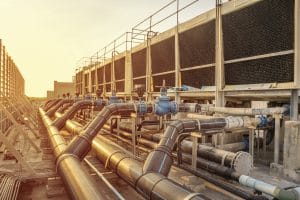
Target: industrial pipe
<point>80,185</point>
<point>150,185</point>
<point>61,110</point>
<point>53,109</point>
<point>246,111</point>
<point>81,144</point>
<point>274,191</point>
<point>160,160</point>
<point>50,104</point>
<point>69,114</point>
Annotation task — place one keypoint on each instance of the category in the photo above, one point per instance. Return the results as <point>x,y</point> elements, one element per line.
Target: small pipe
<point>107,183</point>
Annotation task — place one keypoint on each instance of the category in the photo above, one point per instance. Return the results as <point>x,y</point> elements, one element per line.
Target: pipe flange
<point>242,163</point>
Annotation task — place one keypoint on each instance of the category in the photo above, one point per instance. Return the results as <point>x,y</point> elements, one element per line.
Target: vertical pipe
<point>277,139</point>
<point>177,56</point>
<point>219,56</point>
<point>297,45</point>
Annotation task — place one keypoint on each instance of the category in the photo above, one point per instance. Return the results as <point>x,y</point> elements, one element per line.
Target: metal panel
<point>120,68</point>
<point>163,56</point>
<point>138,60</point>
<point>199,77</point>
<point>197,45</point>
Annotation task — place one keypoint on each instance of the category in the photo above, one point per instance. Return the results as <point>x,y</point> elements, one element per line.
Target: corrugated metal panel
<point>138,60</point>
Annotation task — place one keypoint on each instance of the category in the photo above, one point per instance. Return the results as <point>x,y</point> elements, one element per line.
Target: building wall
<point>61,88</point>
<point>50,94</point>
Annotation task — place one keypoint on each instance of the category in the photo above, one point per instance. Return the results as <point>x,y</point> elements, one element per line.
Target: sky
<point>46,38</point>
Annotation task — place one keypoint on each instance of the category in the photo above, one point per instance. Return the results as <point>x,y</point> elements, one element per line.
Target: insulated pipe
<point>150,185</point>
<point>69,114</point>
<point>246,111</point>
<point>274,191</point>
<point>79,184</point>
<point>53,109</point>
<point>160,160</point>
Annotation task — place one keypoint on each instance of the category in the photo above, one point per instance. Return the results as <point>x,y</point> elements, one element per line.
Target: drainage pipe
<point>79,184</point>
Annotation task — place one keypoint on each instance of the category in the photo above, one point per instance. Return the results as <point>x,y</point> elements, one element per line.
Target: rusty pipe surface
<point>150,185</point>
<point>79,184</point>
<point>54,108</point>
<point>69,114</point>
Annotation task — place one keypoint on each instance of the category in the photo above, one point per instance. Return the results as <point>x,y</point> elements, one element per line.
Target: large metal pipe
<point>69,114</point>
<point>81,144</point>
<point>160,159</point>
<point>61,110</point>
<point>151,185</point>
<point>53,109</point>
<point>50,104</point>
<point>246,111</point>
<point>79,184</point>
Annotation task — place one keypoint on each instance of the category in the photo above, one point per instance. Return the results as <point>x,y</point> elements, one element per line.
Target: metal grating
<point>107,72</point>
<point>265,27</point>
<point>163,56</point>
<point>120,68</point>
<point>138,61</point>
<point>120,86</point>
<point>100,72</point>
<point>158,81</point>
<point>199,77</point>
<point>197,45</point>
<point>267,70</point>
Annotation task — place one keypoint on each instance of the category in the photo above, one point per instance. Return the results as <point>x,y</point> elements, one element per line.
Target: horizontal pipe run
<point>70,113</point>
<point>274,191</point>
<point>107,183</point>
<point>151,185</point>
<point>160,160</point>
<point>79,184</point>
<point>53,109</point>
<point>245,111</point>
